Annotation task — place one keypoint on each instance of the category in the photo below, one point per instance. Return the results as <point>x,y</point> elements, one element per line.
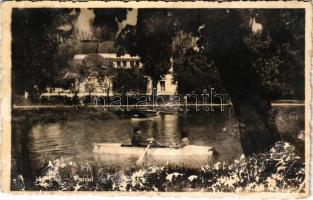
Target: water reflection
<point>168,131</point>
<point>76,138</point>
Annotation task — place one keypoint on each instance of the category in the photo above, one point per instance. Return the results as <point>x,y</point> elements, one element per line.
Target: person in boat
<point>184,138</point>
<point>136,137</point>
<point>184,141</point>
<point>136,140</point>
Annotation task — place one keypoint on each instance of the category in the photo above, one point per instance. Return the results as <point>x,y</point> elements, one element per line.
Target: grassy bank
<point>60,114</point>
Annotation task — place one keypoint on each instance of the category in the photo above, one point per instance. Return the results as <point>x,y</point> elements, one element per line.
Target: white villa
<point>106,51</point>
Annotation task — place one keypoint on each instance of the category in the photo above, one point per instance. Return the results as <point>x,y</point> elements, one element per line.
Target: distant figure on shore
<point>75,100</point>
<point>185,100</point>
<point>136,137</point>
<point>184,138</point>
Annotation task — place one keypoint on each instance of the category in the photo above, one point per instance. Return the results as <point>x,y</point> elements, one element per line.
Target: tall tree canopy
<point>33,47</point>
<point>45,41</point>
<point>193,72</point>
<point>152,37</point>
<point>278,52</point>
<point>130,80</point>
<point>107,21</point>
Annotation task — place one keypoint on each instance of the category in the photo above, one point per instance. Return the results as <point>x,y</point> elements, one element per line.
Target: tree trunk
<point>251,105</point>
<point>226,47</point>
<point>257,134</point>
<point>108,90</point>
<point>154,91</point>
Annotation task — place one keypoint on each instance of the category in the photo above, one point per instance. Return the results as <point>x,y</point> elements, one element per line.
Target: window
<point>137,63</point>
<point>132,64</point>
<point>118,63</point>
<point>162,85</point>
<point>124,64</point>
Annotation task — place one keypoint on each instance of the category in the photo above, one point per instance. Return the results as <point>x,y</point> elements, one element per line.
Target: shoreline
<point>142,106</point>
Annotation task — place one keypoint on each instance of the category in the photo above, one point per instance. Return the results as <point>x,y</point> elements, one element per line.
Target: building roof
<point>94,46</point>
<point>107,47</point>
<point>87,47</point>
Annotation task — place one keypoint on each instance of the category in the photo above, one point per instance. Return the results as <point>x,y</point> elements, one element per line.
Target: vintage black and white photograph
<point>163,99</point>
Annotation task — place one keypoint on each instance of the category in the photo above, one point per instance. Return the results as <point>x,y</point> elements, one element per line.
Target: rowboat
<point>145,116</point>
<point>187,155</point>
<point>138,119</point>
<point>168,112</point>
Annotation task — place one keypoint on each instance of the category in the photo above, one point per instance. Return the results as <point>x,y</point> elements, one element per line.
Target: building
<point>95,53</point>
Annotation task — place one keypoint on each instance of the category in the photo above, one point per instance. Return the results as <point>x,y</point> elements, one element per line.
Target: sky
<point>84,27</point>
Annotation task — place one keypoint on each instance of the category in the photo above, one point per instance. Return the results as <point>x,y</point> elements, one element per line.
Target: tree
<point>278,52</point>
<point>42,53</point>
<point>67,38</point>
<point>136,81</point>
<point>94,71</point>
<point>105,75</point>
<point>106,22</point>
<point>152,40</point>
<point>222,39</point>
<point>193,73</point>
<point>33,47</point>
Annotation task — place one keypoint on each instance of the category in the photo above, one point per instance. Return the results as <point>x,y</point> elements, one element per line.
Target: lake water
<point>34,146</point>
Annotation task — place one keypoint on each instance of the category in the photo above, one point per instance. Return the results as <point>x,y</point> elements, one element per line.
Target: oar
<point>140,159</point>
<point>157,142</point>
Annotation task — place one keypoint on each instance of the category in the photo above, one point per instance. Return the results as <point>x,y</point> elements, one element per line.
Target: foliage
<point>269,42</point>
<point>67,40</point>
<point>220,37</point>
<point>153,42</point>
<point>279,170</point>
<point>33,47</point>
<point>194,74</point>
<point>278,52</point>
<point>106,22</point>
<point>130,80</point>
<point>48,41</point>
<point>44,43</point>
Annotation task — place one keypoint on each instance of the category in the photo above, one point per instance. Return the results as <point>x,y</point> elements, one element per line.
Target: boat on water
<point>168,112</point>
<point>187,155</point>
<point>135,118</point>
<point>146,115</point>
